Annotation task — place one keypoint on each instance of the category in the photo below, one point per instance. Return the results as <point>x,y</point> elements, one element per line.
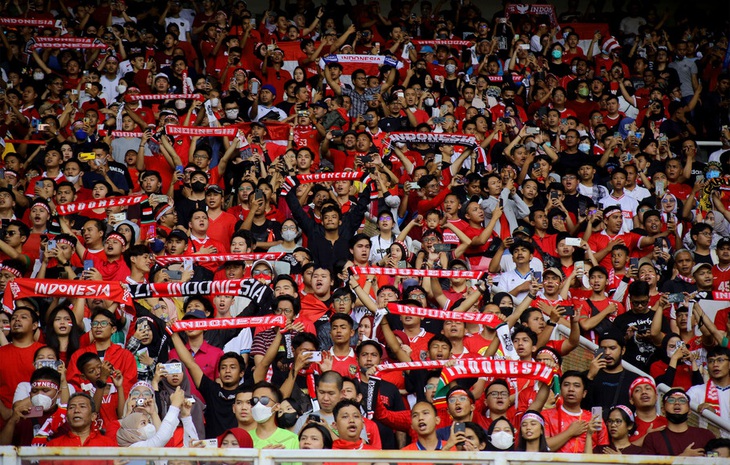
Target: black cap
<point>179,234</point>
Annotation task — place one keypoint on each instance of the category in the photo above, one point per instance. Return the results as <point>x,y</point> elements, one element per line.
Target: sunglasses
<point>265,400</point>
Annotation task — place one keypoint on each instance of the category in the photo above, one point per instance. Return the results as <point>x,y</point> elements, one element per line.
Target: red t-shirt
<point>16,367</point>
<point>222,229</point>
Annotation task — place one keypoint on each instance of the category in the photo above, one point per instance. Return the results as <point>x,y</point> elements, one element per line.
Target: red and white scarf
<point>76,207</point>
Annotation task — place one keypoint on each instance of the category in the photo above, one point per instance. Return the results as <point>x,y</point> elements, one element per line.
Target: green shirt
<point>281,436</point>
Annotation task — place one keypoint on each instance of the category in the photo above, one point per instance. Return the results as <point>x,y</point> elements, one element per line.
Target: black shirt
<point>609,389</point>
<point>639,348</point>
<point>219,414</point>
<point>395,404</point>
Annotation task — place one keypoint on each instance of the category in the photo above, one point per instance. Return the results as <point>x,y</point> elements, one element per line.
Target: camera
<point>140,402</point>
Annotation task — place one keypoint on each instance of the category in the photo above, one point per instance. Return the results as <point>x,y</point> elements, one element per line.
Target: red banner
<point>106,290</point>
<point>489,319</point>
<point>21,22</point>
<point>534,10</point>
<point>490,368</point>
<point>437,42</point>
<point>76,207</point>
<point>230,323</point>
<point>277,132</point>
<point>326,177</point>
<point>139,97</point>
<point>417,273</point>
<point>202,131</point>
<point>407,366</point>
<point>127,134</point>
<point>230,257</point>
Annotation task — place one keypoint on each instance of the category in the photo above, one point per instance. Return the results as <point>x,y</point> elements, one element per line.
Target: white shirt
<point>638,192</point>
<point>697,396</point>
<point>510,280</point>
<point>628,207</point>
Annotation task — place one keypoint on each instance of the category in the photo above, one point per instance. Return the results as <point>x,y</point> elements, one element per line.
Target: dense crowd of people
<point>364,181</point>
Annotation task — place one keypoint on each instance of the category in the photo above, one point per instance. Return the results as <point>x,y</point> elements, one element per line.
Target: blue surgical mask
<point>450,69</point>
<point>557,54</point>
<point>80,134</point>
<point>712,174</point>
<point>584,147</point>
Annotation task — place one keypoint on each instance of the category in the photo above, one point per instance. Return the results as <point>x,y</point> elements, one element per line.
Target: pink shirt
<point>207,357</point>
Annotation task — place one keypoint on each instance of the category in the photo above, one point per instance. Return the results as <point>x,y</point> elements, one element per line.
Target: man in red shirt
<point>81,417</point>
<point>222,224</point>
<point>17,357</point>
<point>566,425</point>
<point>103,325</point>
<point>601,243</point>
<point>200,242</point>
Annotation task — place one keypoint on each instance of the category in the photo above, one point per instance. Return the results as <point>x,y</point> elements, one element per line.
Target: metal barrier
<point>580,359</point>
<point>12,456</point>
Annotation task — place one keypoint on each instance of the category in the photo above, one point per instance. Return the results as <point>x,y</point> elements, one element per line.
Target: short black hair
<point>274,389</point>
<point>343,404</point>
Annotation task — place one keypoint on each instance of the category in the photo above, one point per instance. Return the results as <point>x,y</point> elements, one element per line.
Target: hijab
<point>128,432</point>
<point>163,399</point>
<point>244,439</point>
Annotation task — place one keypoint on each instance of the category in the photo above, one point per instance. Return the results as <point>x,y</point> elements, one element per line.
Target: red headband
<point>640,381</point>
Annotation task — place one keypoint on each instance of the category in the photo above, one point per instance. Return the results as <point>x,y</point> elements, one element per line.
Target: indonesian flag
<point>278,132</point>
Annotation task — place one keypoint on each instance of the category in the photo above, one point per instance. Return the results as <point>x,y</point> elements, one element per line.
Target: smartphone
<point>554,194</point>
<point>579,265</point>
<point>525,46</point>
<point>175,275</point>
<point>173,368</point>
<point>572,241</point>
<point>314,417</point>
<point>537,275</point>
<point>442,248</point>
<point>255,87</point>
<point>599,352</point>
<point>597,412</point>
<point>659,188</point>
<point>180,168</point>
<point>119,217</point>
<point>438,158</point>
<point>316,355</point>
<point>159,198</point>
<point>51,244</point>
<point>210,443</point>
<point>188,264</point>
<point>258,194</point>
<point>676,298</point>
<point>634,262</point>
<point>35,412</point>
<point>535,166</point>
<point>88,264</point>
<point>402,264</point>
<point>43,127</point>
<point>413,185</point>
<point>532,130</point>
<point>569,310</point>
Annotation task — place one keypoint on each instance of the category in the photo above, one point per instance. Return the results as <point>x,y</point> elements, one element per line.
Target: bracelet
<point>550,323</point>
<point>100,384</point>
<point>532,296</point>
<point>64,265</point>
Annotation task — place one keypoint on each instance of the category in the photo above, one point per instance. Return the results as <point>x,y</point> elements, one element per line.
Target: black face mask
<point>506,311</point>
<point>287,420</point>
<point>508,102</point>
<point>677,418</point>
<point>198,186</point>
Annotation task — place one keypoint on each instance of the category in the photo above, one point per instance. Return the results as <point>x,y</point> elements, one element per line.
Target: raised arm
<point>196,373</point>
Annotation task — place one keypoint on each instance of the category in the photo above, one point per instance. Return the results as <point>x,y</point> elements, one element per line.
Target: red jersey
<point>558,420</point>
<point>599,241</point>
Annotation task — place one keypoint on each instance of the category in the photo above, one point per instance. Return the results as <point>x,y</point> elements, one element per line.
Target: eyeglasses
<point>677,400</point>
<point>418,296</point>
<point>640,302</point>
<point>145,393</point>
<point>343,299</point>
<point>455,399</point>
<point>200,156</point>
<point>617,421</point>
<point>706,233</point>
<point>265,400</point>
<point>712,361</point>
<point>430,387</point>
<point>103,324</point>
<point>569,177</point>
<point>498,394</point>
<point>289,228</point>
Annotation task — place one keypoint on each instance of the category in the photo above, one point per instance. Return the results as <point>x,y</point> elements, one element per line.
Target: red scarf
<point>712,397</point>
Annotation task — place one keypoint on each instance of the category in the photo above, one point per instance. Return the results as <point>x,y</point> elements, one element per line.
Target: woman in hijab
<point>145,344</point>
<point>165,385</point>
<point>235,438</point>
<point>138,430</point>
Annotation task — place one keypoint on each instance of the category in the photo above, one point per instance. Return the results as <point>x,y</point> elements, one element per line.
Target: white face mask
<point>147,431</point>
<point>289,235</point>
<point>232,114</point>
<point>214,102</point>
<point>502,440</point>
<point>121,88</point>
<point>73,179</point>
<point>429,102</point>
<point>261,413</point>
<point>38,76</point>
<point>42,400</point>
<point>180,104</point>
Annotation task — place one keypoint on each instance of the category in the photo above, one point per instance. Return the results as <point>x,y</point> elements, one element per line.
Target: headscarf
<point>166,390</point>
<point>153,348</point>
<point>241,435</point>
<point>128,432</point>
